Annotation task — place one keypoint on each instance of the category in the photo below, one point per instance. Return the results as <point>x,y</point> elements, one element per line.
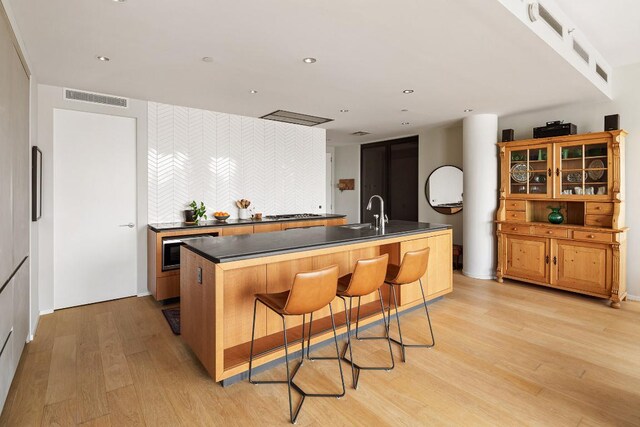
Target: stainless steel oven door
<point>171,254</point>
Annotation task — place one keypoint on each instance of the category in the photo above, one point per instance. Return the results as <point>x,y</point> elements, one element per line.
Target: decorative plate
<point>596,164</point>
<point>575,176</point>
<point>520,172</point>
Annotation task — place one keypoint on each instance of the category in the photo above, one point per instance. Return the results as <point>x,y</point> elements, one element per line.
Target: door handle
<point>555,260</point>
<point>549,172</point>
<point>547,259</point>
<point>130,225</point>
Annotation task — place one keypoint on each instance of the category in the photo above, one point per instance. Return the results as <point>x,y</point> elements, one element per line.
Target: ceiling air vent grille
<point>95,98</point>
<point>295,118</point>
<point>602,73</point>
<point>361,133</point>
<point>580,51</point>
<point>550,20</point>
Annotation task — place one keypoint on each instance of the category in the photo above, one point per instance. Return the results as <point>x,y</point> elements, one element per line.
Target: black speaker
<point>612,122</point>
<point>507,135</point>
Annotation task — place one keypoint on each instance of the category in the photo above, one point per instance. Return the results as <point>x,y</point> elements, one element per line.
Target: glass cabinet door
<point>584,169</point>
<point>529,171</point>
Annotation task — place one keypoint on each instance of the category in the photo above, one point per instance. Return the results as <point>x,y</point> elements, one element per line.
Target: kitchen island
<point>219,278</point>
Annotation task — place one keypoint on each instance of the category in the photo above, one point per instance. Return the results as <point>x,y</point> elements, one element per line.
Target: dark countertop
<point>166,226</point>
<point>235,248</point>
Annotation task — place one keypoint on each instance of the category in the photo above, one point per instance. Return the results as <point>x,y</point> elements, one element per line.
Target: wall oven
<point>171,249</point>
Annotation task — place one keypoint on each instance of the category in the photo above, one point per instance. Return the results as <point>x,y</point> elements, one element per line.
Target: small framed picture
<point>36,183</point>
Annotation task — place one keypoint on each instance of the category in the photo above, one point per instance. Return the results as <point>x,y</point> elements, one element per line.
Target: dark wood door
<point>390,169</point>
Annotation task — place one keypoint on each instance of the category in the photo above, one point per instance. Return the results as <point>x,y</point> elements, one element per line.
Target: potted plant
<point>196,212</point>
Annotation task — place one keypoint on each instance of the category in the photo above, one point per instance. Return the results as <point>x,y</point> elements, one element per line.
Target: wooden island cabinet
<point>583,176</point>
<point>220,277</point>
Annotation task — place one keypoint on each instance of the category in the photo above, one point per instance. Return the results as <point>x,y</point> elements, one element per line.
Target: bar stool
<point>367,277</point>
<point>310,292</point>
<point>413,267</point>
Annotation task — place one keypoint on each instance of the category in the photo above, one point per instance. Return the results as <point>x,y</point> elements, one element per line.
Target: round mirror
<point>444,190</point>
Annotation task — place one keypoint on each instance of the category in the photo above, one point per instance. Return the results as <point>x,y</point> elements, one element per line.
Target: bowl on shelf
<point>221,216</point>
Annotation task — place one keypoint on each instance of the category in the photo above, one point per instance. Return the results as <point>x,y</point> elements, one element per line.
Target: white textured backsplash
<point>219,158</point>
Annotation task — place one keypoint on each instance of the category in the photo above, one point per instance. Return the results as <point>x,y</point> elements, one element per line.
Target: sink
<point>362,226</point>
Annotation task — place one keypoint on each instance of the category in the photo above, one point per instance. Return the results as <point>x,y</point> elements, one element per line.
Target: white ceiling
<point>611,26</point>
<point>454,54</point>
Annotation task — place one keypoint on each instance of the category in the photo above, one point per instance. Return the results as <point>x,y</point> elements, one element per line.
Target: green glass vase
<point>555,217</point>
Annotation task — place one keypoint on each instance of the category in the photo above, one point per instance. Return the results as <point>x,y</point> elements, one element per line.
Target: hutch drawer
<point>593,236</point>
<point>550,232</point>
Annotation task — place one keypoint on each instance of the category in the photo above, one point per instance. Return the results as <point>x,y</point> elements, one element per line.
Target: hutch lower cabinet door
<point>527,257</point>
<point>582,266</point>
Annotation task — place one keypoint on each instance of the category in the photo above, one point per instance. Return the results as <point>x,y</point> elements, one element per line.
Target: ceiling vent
<point>550,20</point>
<point>602,73</point>
<point>295,118</point>
<point>361,133</point>
<point>580,51</point>
<point>95,98</point>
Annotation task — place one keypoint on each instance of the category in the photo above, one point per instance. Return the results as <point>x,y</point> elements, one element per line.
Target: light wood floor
<point>507,354</point>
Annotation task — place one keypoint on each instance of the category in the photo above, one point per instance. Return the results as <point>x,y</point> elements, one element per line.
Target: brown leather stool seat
<point>368,276</point>
<point>311,291</point>
<point>413,267</point>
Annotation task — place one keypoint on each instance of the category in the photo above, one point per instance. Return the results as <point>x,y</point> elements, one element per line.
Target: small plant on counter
<point>198,212</point>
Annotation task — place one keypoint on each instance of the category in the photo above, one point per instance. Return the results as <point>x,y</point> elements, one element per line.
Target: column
<point>480,160</point>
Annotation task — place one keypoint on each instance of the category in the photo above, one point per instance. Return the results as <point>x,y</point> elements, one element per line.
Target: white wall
<point>219,158</point>
<point>590,118</point>
<point>50,97</point>
<point>346,163</point>
<point>437,147</point>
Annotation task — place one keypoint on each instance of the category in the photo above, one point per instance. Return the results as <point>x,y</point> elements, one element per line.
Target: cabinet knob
<point>597,208</point>
<point>591,236</point>
<point>549,232</point>
<point>514,229</point>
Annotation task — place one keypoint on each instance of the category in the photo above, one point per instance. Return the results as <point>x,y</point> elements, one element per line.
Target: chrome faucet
<point>382,219</point>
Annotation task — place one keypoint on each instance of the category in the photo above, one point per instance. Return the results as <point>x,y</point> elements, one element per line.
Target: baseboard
<point>478,276</point>
<point>633,297</point>
<point>144,294</point>
<point>43,312</point>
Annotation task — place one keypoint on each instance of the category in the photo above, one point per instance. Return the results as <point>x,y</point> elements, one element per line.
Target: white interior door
<point>94,197</point>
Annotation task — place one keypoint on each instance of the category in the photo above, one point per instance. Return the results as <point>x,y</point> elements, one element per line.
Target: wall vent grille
<point>580,51</point>
<point>95,98</point>
<point>295,118</point>
<point>602,73</point>
<point>550,20</point>
<point>361,133</point>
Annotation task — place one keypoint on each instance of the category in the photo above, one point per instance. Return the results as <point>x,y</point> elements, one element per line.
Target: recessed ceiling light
<point>253,91</point>
<point>406,123</point>
<point>407,91</point>
<point>207,59</point>
<point>404,110</point>
<point>119,1</point>
<point>309,60</point>
<point>468,110</point>
<point>103,58</point>
<point>344,111</point>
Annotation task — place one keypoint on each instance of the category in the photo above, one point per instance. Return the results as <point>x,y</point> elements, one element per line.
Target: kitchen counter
<point>219,278</point>
<point>234,248</point>
<point>165,226</point>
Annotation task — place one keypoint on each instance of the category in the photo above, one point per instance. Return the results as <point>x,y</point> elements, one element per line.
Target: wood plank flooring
<point>509,354</point>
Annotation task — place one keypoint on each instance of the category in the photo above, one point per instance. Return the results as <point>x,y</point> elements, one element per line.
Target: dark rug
<point>173,318</point>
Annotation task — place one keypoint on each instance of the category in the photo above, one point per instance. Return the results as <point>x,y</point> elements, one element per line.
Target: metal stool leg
<point>401,342</point>
<point>347,314</point>
<point>395,303</point>
<point>356,368</point>
<point>293,415</point>
<point>337,357</point>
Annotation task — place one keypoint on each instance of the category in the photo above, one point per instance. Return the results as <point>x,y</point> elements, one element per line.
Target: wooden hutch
<point>584,176</point>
